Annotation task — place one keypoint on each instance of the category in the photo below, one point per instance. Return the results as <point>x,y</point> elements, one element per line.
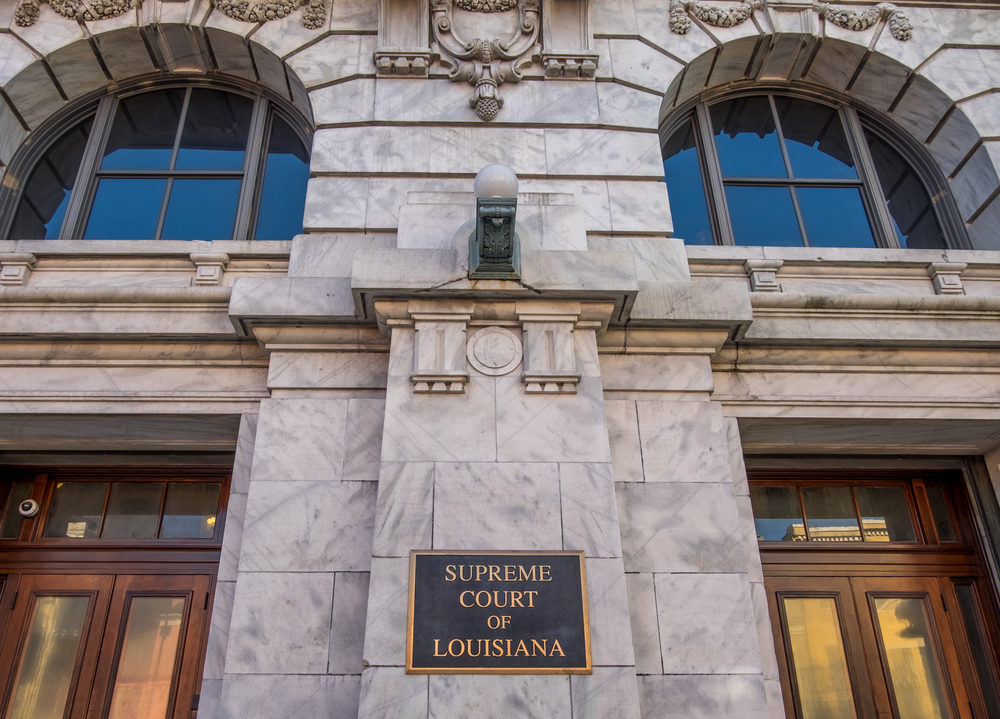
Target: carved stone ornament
<point>313,14</point>
<point>486,5</point>
<point>485,63</point>
<point>862,19</point>
<point>494,351</point>
<point>27,11</point>
<point>714,15</point>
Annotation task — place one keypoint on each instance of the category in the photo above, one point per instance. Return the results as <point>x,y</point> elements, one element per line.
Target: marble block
<point>500,506</point>
<point>707,624</point>
<point>610,627</point>
<point>483,697</point>
<point>680,528</point>
<point>218,634</point>
<point>388,692</point>
<point>683,442</point>
<point>297,526</point>
<point>623,436</point>
<point>589,515</point>
<point>644,623</point>
<point>243,461</point>
<point>385,622</point>
<point>363,450</point>
<point>404,512</point>
<point>300,439</point>
<point>281,624</point>
<point>703,697</point>
<point>232,538</point>
<point>608,692</point>
<point>347,623</point>
<point>279,695</point>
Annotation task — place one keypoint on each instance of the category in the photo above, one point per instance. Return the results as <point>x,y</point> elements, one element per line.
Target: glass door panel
<point>50,647</point>
<point>816,646</point>
<point>911,663</point>
<point>150,662</point>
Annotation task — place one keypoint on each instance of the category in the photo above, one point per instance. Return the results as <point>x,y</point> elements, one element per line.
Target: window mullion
<point>788,171</point>
<point>256,149</point>
<point>871,188</point>
<point>74,223</point>
<point>718,208</point>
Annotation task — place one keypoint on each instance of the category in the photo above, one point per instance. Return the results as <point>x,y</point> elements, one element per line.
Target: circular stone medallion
<point>494,351</point>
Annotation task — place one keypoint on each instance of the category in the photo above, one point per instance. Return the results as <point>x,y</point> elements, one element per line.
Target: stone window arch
<point>792,167</point>
<point>201,159</point>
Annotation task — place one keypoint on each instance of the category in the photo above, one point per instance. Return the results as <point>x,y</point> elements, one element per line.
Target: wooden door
<point>104,646</point>
<point>878,647</point>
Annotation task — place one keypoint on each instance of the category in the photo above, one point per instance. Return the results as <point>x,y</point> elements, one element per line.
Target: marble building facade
<point>350,378</point>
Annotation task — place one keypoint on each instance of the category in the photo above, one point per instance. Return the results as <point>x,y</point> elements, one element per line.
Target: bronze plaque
<point>497,613</point>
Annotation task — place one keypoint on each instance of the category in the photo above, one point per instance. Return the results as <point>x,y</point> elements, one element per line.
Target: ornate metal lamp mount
<point>494,248</point>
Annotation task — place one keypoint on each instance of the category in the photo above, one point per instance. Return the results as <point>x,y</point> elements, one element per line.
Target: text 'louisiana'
<point>499,648</point>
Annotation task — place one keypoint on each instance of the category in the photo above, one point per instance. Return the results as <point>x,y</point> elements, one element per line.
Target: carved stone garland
<point>313,16</point>
<point>681,12</point>
<point>27,11</point>
<point>486,64</point>
<point>862,19</point>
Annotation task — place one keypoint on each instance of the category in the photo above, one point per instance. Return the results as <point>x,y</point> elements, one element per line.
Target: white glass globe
<point>495,181</point>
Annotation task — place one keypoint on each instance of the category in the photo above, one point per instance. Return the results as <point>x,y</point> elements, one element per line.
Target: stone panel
<point>483,697</point>
<point>278,695</point>
<point>589,514</point>
<point>644,623</point>
<point>280,625</point>
<point>351,101</point>
<point>388,692</point>
<point>679,528</point>
<point>610,627</point>
<point>623,434</point>
<point>703,697</point>
<point>405,508</point>
<point>364,438</point>
<point>388,593</point>
<point>608,692</point>
<point>308,526</point>
<point>334,58</point>
<point>300,439</point>
<point>707,624</point>
<point>977,180</point>
<point>683,442</point>
<point>486,506</point>
<point>347,624</point>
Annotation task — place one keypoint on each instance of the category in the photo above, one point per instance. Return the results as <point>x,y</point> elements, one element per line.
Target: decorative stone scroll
<point>313,14</point>
<point>27,11</point>
<point>486,5</point>
<point>485,63</point>
<point>859,19</point>
<point>714,15</point>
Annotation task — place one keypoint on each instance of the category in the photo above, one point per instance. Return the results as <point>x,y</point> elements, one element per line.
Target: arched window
<point>775,169</point>
<point>192,162</point>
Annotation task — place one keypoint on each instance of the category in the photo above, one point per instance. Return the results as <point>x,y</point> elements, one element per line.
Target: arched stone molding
<point>925,101</point>
<point>46,66</point>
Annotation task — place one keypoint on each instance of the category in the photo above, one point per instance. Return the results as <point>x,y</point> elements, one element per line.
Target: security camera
<point>28,508</point>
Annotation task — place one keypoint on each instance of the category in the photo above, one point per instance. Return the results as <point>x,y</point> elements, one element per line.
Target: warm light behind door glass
<point>818,658</point>
<point>148,657</point>
<point>45,671</point>
<point>914,670</point>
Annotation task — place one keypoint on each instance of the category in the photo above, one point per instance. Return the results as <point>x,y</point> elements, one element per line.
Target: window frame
<point>855,120</point>
<point>101,107</point>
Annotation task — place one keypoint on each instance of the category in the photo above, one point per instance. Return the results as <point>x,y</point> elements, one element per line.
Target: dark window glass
<point>815,139</point>
<point>909,204</point>
<point>746,138</point>
<point>216,129</point>
<point>10,522</point>
<point>172,166</point>
<point>201,210</point>
<point>190,510</point>
<point>143,132</point>
<point>835,217</point>
<point>885,514</point>
<point>763,216</point>
<point>133,510</point>
<point>979,644</point>
<point>942,517</point>
<point>283,196</point>
<point>686,189</point>
<point>76,510</point>
<point>777,514</point>
<point>830,514</point>
<point>126,209</point>
<point>42,209</point>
